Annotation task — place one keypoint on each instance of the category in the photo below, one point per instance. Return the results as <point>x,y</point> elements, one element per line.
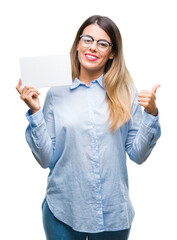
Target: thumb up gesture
<point>147,100</point>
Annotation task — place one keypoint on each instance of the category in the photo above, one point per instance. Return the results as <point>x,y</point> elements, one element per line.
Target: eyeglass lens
<point>87,41</point>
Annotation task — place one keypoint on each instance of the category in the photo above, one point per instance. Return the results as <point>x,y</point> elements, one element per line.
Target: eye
<point>87,39</point>
<point>103,44</point>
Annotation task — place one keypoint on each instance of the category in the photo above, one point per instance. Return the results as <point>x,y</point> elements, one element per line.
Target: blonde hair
<point>117,81</point>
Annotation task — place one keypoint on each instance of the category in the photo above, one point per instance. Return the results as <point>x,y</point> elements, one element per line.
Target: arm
<point>143,133</point>
<point>40,134</point>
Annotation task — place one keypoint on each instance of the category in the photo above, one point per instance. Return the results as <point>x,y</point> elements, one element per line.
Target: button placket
<point>95,158</point>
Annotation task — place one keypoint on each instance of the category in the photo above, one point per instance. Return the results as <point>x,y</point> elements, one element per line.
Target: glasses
<point>87,41</point>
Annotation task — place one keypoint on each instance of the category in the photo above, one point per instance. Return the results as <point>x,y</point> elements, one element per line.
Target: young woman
<point>83,134</point>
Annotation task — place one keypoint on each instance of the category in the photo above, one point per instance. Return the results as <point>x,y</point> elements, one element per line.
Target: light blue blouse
<point>88,183</point>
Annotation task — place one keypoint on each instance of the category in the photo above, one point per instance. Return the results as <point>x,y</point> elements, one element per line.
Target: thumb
<point>154,89</point>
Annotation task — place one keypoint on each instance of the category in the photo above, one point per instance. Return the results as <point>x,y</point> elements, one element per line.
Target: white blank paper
<point>46,71</point>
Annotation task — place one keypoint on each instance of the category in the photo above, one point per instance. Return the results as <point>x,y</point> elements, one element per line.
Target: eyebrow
<point>87,35</point>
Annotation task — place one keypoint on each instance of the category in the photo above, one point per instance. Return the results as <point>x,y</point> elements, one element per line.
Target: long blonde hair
<point>117,81</point>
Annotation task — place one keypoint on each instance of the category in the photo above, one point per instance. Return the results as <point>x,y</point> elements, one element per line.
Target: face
<point>90,58</point>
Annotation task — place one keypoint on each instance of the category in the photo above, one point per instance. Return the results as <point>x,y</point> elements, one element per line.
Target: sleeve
<point>40,133</point>
<point>143,132</point>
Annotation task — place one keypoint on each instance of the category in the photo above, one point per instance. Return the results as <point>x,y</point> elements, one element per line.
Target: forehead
<point>96,32</point>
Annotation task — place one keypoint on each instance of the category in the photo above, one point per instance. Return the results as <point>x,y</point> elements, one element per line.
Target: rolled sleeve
<point>150,120</point>
<point>36,119</point>
<point>151,125</point>
<point>142,135</point>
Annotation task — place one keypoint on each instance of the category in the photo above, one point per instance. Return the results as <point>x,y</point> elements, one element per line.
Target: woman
<point>83,133</point>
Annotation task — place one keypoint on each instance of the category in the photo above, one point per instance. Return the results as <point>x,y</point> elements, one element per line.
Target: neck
<point>88,77</point>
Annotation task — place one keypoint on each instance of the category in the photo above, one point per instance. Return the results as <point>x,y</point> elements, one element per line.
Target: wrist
<point>33,111</point>
<point>154,113</point>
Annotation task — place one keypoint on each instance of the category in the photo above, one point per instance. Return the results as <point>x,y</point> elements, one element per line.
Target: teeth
<point>91,56</point>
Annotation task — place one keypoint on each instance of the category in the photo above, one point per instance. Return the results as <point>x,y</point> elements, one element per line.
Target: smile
<point>91,57</point>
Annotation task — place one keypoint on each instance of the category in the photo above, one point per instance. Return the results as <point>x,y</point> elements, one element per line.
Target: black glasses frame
<point>110,44</point>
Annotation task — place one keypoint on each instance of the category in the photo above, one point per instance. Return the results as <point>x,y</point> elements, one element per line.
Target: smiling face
<point>91,59</point>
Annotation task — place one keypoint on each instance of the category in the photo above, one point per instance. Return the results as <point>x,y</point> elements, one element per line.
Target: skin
<point>30,96</point>
<point>147,100</point>
<point>91,69</point>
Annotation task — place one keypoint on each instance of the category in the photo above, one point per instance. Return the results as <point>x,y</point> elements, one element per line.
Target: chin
<point>92,66</point>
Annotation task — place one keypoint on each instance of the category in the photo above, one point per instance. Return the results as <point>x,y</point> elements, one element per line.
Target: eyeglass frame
<point>110,44</point>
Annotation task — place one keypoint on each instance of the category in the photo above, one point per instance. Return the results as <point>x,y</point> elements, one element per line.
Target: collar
<point>76,82</point>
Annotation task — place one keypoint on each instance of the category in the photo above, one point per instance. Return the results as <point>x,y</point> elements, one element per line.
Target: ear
<point>77,47</point>
<point>111,56</point>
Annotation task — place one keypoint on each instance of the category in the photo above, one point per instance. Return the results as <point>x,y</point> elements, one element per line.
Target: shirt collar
<point>76,82</point>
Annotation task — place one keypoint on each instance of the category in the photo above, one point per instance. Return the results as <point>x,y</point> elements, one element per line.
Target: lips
<point>91,57</point>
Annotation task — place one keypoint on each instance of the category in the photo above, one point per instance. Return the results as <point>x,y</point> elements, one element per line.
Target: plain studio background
<point>43,27</point>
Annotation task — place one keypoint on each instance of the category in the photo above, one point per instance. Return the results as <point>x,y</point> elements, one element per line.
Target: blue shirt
<point>88,183</point>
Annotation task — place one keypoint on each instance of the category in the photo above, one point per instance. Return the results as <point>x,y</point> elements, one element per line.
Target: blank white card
<point>46,71</point>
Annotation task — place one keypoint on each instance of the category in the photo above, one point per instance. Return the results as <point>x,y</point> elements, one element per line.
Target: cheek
<point>105,59</point>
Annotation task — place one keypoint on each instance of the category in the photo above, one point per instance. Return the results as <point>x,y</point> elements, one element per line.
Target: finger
<point>18,87</point>
<point>29,94</point>
<point>143,99</point>
<point>143,104</point>
<point>27,88</point>
<point>154,89</point>
<point>32,95</point>
<point>144,93</point>
<point>32,92</point>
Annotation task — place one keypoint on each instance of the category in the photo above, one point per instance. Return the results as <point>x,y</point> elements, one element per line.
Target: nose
<point>93,46</point>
